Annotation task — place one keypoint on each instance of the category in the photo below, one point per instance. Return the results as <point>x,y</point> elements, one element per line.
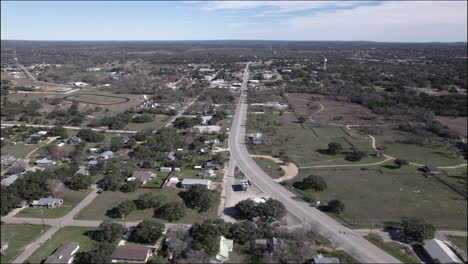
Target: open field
<point>19,236</point>
<point>270,167</point>
<point>70,200</point>
<point>301,143</point>
<point>458,124</point>
<point>401,252</point>
<point>436,154</point>
<point>108,200</point>
<point>19,150</point>
<point>460,242</point>
<point>373,196</point>
<point>64,235</point>
<point>158,122</point>
<point>96,99</point>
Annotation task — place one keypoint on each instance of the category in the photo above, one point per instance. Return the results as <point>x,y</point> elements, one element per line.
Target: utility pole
<point>42,217</point>
<point>123,219</point>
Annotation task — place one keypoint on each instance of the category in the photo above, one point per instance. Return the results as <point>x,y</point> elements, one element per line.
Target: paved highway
<point>340,236</point>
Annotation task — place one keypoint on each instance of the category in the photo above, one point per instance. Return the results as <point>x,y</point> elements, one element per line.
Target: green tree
<point>334,148</point>
<point>101,254</point>
<point>220,158</point>
<point>58,131</point>
<point>417,230</point>
<point>243,232</point>
<point>131,186</point>
<point>90,135</point>
<point>147,231</point>
<point>150,200</point>
<point>357,155</point>
<point>79,182</point>
<point>400,162</point>
<point>272,208</point>
<point>123,209</point>
<point>314,182</point>
<point>171,211</point>
<point>109,231</point>
<point>111,182</point>
<point>198,197</point>
<point>336,206</point>
<point>206,235</point>
<point>245,209</point>
<point>116,143</point>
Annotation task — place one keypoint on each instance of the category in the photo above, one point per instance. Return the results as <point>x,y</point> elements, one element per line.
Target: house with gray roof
<point>131,254</point>
<point>440,252</point>
<point>45,161</point>
<point>47,202</point>
<point>143,176</point>
<point>106,154</point>
<point>63,254</point>
<point>188,183</point>
<point>320,259</point>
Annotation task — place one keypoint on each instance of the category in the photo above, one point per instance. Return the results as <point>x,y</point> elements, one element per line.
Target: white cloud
<point>389,21</point>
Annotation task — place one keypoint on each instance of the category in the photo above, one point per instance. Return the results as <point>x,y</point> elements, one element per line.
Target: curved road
<point>340,236</point>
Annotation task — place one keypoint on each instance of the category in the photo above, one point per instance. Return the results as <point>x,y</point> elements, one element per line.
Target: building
<point>225,246</point>
<point>143,176</point>
<point>47,202</point>
<point>440,252</point>
<point>320,259</point>
<point>63,254</point>
<point>45,161</point>
<point>165,169</point>
<point>255,138</point>
<point>171,183</point>
<point>72,140</point>
<point>206,119</point>
<point>131,254</point>
<point>188,183</point>
<point>82,170</point>
<point>106,154</point>
<point>9,180</point>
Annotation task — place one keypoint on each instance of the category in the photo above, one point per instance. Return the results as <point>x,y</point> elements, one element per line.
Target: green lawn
<point>270,167</point>
<point>461,242</point>
<point>108,200</point>
<point>18,150</point>
<point>70,200</point>
<point>62,236</point>
<point>19,236</point>
<point>401,252</point>
<point>158,122</point>
<point>373,196</point>
<point>302,143</point>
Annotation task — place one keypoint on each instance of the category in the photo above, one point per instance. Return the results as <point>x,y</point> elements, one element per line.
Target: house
<point>207,173</point>
<point>9,180</point>
<point>45,161</point>
<point>82,170</point>
<point>206,119</point>
<point>177,169</point>
<point>143,176</point>
<point>131,254</point>
<point>320,259</point>
<point>47,202</point>
<point>165,169</point>
<point>210,165</point>
<point>92,163</point>
<point>255,138</point>
<point>431,170</point>
<point>440,252</point>
<point>63,254</point>
<point>106,154</point>
<point>260,244</point>
<point>171,183</point>
<point>197,167</point>
<point>188,183</point>
<point>94,150</point>
<point>225,246</point>
<point>171,155</point>
<point>72,140</point>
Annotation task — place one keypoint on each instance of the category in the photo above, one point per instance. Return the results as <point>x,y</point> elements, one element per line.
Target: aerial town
<point>233,152</point>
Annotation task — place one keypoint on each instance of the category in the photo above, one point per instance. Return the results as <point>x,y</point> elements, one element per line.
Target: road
<point>340,236</point>
<point>181,112</point>
<point>73,128</point>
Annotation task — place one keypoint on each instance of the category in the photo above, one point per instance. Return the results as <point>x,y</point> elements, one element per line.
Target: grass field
<point>19,150</point>
<point>378,197</point>
<point>402,253</point>
<point>270,167</point>
<point>62,236</point>
<point>158,122</point>
<point>302,143</point>
<point>108,200</point>
<point>461,242</point>
<point>70,200</point>
<point>19,236</point>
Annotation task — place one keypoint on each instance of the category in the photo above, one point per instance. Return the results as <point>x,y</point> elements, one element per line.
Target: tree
<point>206,235</point>
<point>302,119</point>
<point>198,197</point>
<point>131,186</point>
<point>116,143</point>
<point>58,131</point>
<point>357,155</point>
<point>272,208</point>
<point>246,209</point>
<point>314,182</point>
<point>55,187</point>
<point>334,148</point>
<point>57,153</point>
<point>109,231</point>
<point>400,162</point>
<point>111,182</point>
<point>336,206</point>
<point>220,158</point>
<point>79,182</point>
<point>101,254</point>
<point>171,211</point>
<point>90,135</point>
<point>147,231</point>
<point>123,209</point>
<point>243,232</point>
<point>417,230</point>
<point>150,200</point>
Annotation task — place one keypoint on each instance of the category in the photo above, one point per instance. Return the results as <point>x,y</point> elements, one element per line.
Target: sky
<point>388,21</point>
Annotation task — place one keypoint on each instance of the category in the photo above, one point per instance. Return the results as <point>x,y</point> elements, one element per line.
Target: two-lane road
<point>340,236</point>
